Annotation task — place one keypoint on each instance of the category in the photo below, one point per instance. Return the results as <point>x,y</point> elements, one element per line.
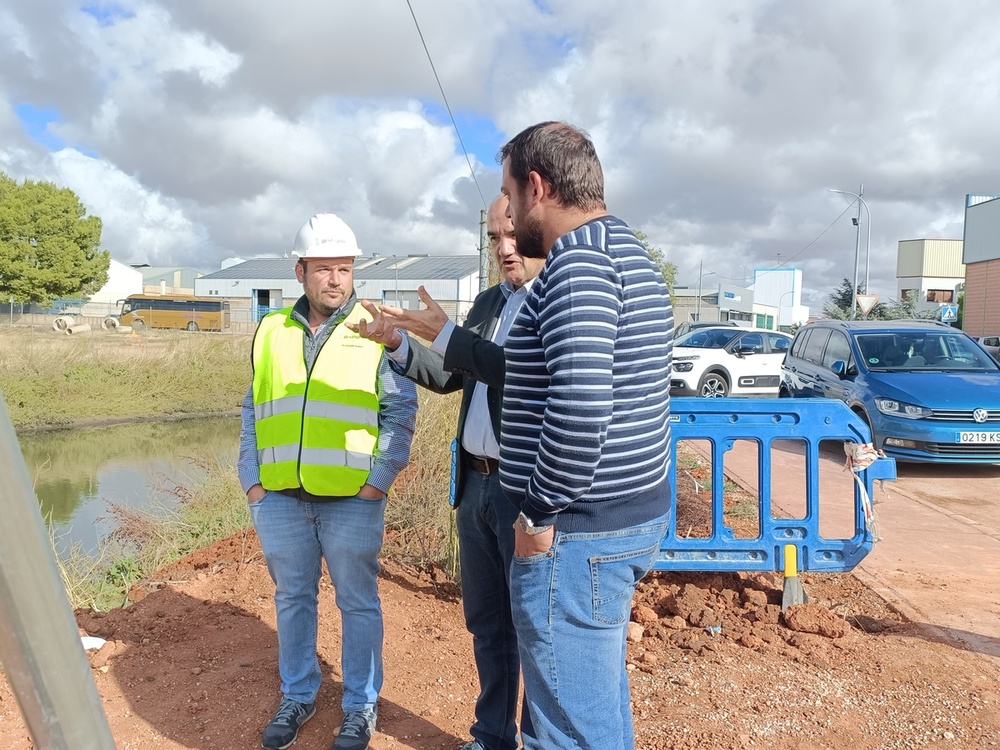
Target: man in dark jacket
<point>471,357</point>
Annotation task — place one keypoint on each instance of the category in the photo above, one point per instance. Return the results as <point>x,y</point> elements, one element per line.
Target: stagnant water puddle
<point>80,474</point>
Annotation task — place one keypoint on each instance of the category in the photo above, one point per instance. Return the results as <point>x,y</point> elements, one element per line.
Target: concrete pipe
<point>109,324</point>
<point>62,322</point>
<point>82,328</point>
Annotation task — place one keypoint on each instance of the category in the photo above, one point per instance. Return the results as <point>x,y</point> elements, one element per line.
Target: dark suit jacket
<point>470,357</point>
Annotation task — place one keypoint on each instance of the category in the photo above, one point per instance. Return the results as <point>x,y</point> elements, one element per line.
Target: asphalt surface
<point>938,556</point>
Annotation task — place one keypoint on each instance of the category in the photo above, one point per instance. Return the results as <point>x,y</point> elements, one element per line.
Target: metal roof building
<point>168,279</point>
<point>270,283</point>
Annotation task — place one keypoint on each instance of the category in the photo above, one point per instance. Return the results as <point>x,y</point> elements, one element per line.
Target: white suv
<point>728,362</point>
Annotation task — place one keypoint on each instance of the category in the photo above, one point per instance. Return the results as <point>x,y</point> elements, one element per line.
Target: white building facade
<point>781,289</point>
<point>122,281</point>
<point>930,273</point>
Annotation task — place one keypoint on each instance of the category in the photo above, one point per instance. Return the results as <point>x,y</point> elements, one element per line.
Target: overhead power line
<point>815,239</point>
<point>458,133</point>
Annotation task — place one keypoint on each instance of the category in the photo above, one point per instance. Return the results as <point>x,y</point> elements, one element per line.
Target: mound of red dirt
<point>714,663</point>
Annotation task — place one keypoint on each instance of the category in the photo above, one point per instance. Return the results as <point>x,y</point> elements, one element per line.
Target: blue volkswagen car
<point>929,392</point>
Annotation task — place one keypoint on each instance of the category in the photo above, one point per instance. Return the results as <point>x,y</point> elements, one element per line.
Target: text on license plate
<point>978,437</point>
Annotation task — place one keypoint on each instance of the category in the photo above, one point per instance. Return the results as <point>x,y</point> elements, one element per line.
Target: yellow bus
<point>158,311</point>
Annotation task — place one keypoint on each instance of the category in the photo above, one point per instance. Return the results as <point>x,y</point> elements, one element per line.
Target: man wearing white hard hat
<point>327,426</point>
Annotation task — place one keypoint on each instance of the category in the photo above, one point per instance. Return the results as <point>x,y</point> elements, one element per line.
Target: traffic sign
<point>949,313</point>
<point>866,302</point>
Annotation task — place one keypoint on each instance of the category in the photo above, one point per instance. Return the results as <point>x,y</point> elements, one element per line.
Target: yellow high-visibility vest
<point>315,430</point>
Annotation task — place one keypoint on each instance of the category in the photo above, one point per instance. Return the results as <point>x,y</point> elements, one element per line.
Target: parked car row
<point>929,392</point>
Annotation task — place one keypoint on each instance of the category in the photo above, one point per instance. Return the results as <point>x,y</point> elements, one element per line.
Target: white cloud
<point>139,226</point>
<point>15,34</point>
<point>219,127</point>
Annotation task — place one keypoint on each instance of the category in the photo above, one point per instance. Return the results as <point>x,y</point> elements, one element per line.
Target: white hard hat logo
<point>315,238</point>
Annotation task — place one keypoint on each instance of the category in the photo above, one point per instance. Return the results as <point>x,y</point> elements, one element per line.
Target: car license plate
<point>978,437</point>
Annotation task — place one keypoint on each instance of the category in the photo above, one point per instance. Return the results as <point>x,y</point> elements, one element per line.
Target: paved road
<point>938,559</point>
<point>970,492</point>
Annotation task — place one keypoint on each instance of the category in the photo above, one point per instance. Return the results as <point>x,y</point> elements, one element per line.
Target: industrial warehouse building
<point>255,287</point>
<point>981,255</point>
<point>929,273</point>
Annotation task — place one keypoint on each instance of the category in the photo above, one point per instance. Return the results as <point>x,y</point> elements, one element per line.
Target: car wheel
<point>713,385</point>
<point>192,326</point>
<point>783,393</point>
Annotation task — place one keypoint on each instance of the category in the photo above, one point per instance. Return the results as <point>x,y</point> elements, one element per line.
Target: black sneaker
<point>357,730</point>
<point>285,724</point>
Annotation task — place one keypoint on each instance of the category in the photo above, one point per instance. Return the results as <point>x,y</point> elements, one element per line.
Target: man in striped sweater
<point>585,438</point>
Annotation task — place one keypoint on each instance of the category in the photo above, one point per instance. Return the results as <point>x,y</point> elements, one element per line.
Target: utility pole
<point>857,244</point>
<point>484,253</point>
<point>701,273</point>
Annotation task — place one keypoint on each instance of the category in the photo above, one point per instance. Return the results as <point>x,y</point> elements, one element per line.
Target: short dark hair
<point>564,156</point>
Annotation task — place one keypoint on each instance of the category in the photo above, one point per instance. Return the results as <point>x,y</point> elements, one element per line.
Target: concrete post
<point>40,646</point>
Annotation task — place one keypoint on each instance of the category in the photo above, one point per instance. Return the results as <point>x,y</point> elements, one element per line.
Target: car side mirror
<point>744,350</point>
<point>839,369</point>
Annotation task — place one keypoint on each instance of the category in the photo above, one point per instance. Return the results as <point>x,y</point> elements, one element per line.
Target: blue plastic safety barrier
<point>723,421</point>
<point>452,487</point>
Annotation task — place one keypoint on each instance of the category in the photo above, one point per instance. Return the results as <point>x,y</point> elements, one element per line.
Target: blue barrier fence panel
<point>765,423</point>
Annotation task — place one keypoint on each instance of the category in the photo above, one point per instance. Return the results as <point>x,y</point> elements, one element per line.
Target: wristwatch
<point>526,525</point>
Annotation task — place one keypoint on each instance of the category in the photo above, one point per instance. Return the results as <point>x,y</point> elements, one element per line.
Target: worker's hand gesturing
<point>426,323</point>
<point>379,329</point>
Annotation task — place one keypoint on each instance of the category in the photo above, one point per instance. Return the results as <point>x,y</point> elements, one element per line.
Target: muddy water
<point>81,475</point>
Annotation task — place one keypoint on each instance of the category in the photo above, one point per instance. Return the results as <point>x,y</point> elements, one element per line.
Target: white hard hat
<point>325,236</point>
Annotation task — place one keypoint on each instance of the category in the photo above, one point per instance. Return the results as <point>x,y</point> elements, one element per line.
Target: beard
<point>320,303</point>
<point>530,242</point>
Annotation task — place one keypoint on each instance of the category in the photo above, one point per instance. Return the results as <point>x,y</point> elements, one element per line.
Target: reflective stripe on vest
<point>318,456</point>
<point>294,405</point>
<point>315,430</point>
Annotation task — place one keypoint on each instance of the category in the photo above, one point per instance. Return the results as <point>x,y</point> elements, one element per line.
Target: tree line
<point>840,304</point>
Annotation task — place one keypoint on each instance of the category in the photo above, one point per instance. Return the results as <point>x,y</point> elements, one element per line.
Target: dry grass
<point>420,527</point>
<point>147,540</point>
<point>49,379</point>
<point>740,507</point>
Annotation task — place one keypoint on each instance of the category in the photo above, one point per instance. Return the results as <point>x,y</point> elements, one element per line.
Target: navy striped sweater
<point>585,433</point>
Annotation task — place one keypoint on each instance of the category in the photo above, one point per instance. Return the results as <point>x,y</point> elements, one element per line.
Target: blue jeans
<point>572,606</point>
<point>485,520</point>
<point>296,536</point>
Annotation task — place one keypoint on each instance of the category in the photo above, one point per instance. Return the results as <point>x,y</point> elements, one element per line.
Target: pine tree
<point>49,247</point>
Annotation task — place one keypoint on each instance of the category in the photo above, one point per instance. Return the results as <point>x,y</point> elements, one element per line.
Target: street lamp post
<point>701,275</point>
<point>857,244</point>
<point>697,307</point>
<point>395,268</point>
<point>783,295</point>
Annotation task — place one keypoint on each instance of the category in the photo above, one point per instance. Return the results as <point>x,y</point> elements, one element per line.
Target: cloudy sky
<point>204,130</point>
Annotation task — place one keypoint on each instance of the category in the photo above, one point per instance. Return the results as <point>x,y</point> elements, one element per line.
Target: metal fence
<point>244,315</point>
